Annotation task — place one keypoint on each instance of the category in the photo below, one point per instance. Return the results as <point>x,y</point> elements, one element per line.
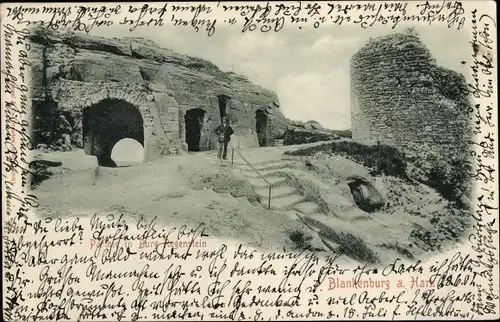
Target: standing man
<point>224,133</point>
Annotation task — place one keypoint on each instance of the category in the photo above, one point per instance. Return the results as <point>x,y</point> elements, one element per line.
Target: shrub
<point>383,159</point>
<point>446,227</point>
<point>389,161</point>
<point>449,177</point>
<point>350,245</point>
<point>399,249</point>
<point>300,239</point>
<point>40,171</point>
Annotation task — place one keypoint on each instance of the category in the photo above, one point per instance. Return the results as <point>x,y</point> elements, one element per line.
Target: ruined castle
<point>400,97</point>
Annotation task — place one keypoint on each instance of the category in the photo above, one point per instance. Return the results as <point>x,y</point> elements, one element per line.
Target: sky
<point>308,68</point>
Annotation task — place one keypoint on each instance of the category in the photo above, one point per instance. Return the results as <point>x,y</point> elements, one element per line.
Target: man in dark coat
<point>224,133</point>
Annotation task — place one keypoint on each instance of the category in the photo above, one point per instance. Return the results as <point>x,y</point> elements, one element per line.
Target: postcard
<point>250,161</point>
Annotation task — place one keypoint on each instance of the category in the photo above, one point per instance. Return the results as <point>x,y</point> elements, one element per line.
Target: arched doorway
<point>194,125</point>
<point>261,119</point>
<point>106,123</point>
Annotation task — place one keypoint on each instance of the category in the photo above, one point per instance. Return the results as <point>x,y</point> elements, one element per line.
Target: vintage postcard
<point>250,161</point>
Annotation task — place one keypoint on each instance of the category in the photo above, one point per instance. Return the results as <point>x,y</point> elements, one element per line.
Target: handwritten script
<point>262,17</point>
<point>110,265</point>
<point>483,152</point>
<point>177,276</point>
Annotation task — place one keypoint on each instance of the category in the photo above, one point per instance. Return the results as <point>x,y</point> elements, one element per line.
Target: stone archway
<point>110,116</point>
<point>194,124</point>
<point>106,123</point>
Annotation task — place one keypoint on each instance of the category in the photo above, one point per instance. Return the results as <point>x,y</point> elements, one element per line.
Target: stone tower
<point>400,97</point>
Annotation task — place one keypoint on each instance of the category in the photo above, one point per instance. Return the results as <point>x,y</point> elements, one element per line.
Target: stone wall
<point>400,97</point>
<point>77,70</point>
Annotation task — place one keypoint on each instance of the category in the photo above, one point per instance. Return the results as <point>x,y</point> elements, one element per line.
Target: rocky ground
<point>430,221</point>
<point>312,205</point>
<point>171,189</point>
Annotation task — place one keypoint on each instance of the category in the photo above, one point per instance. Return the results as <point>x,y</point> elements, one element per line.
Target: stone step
<point>227,196</point>
<point>283,202</point>
<point>307,207</point>
<point>260,183</point>
<point>221,197</point>
<point>276,192</point>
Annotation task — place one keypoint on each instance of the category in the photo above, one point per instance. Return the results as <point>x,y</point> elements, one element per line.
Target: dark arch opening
<point>194,125</point>
<point>261,119</point>
<point>106,123</point>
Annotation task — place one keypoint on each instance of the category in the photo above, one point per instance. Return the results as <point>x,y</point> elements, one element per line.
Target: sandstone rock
<point>143,51</point>
<point>277,128</point>
<point>157,87</point>
<point>113,46</point>
<point>297,135</point>
<point>365,195</point>
<point>82,40</point>
<point>314,125</point>
<point>155,72</point>
<point>95,66</point>
<point>82,70</point>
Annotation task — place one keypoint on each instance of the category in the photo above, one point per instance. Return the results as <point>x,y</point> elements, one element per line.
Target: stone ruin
<point>400,97</point>
<point>111,89</point>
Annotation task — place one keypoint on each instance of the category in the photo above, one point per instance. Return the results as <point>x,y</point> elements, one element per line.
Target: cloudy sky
<point>308,68</point>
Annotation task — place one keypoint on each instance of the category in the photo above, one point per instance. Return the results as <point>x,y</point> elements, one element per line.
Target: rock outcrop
<point>180,99</point>
<point>307,132</point>
<point>365,195</point>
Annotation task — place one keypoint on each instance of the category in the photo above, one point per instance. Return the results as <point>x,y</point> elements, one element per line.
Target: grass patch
<point>351,245</point>
<point>381,159</point>
<point>450,178</point>
<point>222,181</point>
<point>40,171</point>
<point>399,249</point>
<point>300,239</point>
<point>446,227</point>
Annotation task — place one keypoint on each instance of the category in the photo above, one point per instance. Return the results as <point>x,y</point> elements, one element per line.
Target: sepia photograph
<point>338,141</point>
<point>266,151</point>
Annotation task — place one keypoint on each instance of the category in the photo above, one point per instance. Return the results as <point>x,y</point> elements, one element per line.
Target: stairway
<point>226,196</point>
<point>285,198</point>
